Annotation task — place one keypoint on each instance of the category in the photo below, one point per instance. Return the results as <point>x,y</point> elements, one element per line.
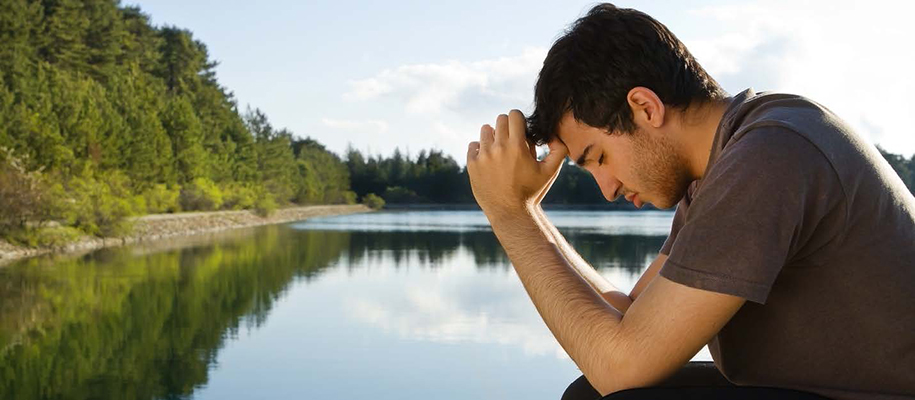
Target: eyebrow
<point>583,156</point>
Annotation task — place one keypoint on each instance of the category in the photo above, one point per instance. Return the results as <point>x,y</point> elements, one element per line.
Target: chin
<point>663,204</point>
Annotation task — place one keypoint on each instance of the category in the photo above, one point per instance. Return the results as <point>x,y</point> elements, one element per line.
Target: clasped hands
<point>505,175</point>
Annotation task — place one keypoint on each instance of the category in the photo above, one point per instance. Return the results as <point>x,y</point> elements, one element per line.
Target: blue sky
<point>415,75</point>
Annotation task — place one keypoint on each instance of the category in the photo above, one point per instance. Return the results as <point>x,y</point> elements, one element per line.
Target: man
<point>792,251</point>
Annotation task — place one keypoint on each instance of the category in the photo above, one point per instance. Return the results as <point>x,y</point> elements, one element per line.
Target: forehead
<point>576,135</point>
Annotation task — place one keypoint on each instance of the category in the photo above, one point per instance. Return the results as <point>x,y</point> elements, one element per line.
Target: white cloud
<point>458,303</point>
<point>454,85</point>
<point>369,126</point>
<point>452,304</point>
<point>443,105</point>
<point>851,57</point>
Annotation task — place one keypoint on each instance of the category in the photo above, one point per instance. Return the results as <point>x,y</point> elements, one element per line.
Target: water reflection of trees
<point>432,249</point>
<point>116,325</point>
<point>148,323</point>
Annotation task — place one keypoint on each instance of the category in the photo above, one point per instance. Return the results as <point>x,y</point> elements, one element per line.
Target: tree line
<point>431,177</point>
<point>435,178</point>
<point>104,116</point>
<point>904,167</point>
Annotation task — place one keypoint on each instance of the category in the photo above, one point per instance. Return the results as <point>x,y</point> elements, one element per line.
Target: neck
<point>699,127</point>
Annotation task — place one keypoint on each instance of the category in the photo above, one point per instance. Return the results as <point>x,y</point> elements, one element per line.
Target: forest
<point>104,116</point>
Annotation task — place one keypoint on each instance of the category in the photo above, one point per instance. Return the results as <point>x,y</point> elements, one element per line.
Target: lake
<point>386,305</point>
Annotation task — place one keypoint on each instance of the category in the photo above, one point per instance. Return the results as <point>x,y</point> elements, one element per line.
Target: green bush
<point>347,197</point>
<point>398,194</point>
<point>138,204</point>
<point>239,196</point>
<point>57,236</point>
<point>162,199</point>
<point>23,236</point>
<point>373,201</point>
<point>201,194</point>
<point>100,205</point>
<point>265,205</point>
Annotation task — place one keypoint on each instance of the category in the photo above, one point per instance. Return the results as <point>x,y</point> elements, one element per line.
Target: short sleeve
<point>755,208</point>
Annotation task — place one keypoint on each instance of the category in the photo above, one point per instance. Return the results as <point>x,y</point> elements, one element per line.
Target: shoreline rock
<point>160,226</point>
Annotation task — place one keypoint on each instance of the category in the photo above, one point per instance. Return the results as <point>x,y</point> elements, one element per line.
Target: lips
<point>634,199</point>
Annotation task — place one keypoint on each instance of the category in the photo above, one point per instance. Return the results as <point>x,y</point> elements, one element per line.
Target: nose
<point>608,185</point>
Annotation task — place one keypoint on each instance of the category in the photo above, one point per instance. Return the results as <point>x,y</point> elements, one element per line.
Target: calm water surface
<point>389,305</point>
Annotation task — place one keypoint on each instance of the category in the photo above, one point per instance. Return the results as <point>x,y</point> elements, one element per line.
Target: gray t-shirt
<point>797,214</point>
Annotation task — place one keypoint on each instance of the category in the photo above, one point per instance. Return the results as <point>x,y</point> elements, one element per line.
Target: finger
<point>517,126</point>
<point>472,150</point>
<point>486,135</point>
<point>501,134</point>
<point>558,153</point>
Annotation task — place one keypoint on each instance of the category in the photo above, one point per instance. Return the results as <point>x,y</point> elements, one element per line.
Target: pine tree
<point>146,149</point>
<point>105,37</point>
<point>19,22</point>
<point>181,60</point>
<point>185,132</point>
<point>65,28</point>
<point>141,44</point>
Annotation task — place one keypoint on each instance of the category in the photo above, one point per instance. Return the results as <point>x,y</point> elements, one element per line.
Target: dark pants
<point>696,380</point>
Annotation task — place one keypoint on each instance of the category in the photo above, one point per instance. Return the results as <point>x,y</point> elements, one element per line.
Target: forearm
<point>579,318</point>
<point>610,293</point>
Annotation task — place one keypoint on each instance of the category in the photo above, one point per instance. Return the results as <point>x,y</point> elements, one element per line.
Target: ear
<point>647,107</point>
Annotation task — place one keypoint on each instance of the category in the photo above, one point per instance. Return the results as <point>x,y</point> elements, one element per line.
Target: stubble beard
<point>661,169</point>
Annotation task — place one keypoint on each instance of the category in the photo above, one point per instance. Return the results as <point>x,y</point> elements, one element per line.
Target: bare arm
<point>662,329</point>
<point>648,276</point>
<point>610,293</point>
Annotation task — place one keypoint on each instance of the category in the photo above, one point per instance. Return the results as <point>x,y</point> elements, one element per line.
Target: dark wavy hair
<point>600,58</point>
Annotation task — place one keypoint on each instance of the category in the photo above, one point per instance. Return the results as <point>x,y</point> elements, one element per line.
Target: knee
<point>581,389</point>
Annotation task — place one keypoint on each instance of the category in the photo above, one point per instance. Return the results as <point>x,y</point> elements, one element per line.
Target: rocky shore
<point>160,226</point>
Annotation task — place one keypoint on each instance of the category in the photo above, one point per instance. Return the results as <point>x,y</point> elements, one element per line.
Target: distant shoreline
<point>547,207</point>
<point>160,226</point>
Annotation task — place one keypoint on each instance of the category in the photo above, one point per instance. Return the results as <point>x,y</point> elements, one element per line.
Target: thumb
<point>558,153</point>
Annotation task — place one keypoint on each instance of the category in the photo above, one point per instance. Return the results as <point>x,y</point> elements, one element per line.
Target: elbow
<point>622,374</point>
<point>616,372</point>
<point>611,380</point>
<point>604,388</point>
<point>606,383</point>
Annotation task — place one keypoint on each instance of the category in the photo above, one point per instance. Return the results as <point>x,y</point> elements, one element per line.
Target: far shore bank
<point>161,226</point>
<point>621,206</point>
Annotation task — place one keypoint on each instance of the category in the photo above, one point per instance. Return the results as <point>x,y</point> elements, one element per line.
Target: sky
<point>417,75</point>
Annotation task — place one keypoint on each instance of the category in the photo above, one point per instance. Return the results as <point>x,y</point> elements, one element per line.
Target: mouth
<point>634,199</point>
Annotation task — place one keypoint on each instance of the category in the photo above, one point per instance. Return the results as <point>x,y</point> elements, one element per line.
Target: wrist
<point>512,215</point>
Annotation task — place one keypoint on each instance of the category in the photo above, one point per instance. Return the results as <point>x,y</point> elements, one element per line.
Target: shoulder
<point>771,152</point>
<point>791,111</point>
<point>807,119</point>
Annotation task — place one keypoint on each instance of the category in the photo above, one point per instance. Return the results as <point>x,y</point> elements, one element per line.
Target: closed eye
<point>601,159</point>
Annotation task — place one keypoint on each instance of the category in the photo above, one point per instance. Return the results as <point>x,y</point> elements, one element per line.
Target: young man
<point>792,251</point>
